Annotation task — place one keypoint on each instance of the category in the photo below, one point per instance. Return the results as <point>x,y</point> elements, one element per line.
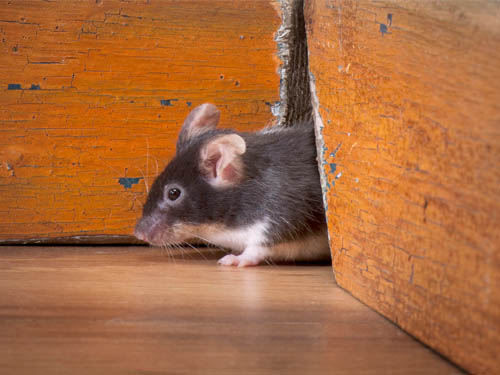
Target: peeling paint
<point>333,167</point>
<point>275,107</point>
<point>321,147</point>
<point>127,182</point>
<point>168,102</point>
<point>44,62</point>
<point>384,29</point>
<point>35,87</point>
<point>334,152</point>
<point>14,86</point>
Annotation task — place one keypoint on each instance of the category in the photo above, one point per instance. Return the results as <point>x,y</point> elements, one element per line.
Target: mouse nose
<point>139,235</point>
<point>140,230</point>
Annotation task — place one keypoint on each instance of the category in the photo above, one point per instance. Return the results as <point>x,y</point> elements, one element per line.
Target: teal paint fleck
<point>325,150</point>
<point>383,29</point>
<point>168,102</point>
<point>127,182</point>
<point>334,153</point>
<point>333,167</point>
<point>35,87</point>
<point>14,86</point>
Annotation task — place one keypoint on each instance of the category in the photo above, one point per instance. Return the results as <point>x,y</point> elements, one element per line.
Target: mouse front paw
<point>228,260</point>
<point>238,261</point>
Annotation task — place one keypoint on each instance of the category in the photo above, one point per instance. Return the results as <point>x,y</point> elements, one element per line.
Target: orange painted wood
<point>409,97</point>
<point>93,93</point>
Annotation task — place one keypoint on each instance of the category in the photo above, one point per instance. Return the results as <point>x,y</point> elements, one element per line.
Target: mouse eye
<point>174,194</point>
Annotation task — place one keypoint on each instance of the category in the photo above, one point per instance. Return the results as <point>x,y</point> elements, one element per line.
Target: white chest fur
<point>249,241</point>
<point>237,239</point>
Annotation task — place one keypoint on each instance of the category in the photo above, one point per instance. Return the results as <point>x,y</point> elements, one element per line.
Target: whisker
<point>168,249</point>
<point>179,250</point>
<point>193,235</point>
<point>196,249</point>
<point>147,159</point>
<point>182,250</point>
<point>156,161</point>
<point>144,178</point>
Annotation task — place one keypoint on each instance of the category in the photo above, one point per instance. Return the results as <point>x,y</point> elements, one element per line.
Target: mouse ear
<point>221,162</point>
<point>201,119</point>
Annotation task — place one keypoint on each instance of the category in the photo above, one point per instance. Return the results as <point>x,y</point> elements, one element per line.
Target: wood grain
<point>133,310</point>
<point>409,97</point>
<point>93,93</point>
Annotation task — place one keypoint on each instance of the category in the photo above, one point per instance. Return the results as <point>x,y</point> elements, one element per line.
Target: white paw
<point>229,260</point>
<point>238,261</point>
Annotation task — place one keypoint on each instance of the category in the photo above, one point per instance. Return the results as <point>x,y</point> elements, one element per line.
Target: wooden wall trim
<point>408,94</point>
<point>93,93</point>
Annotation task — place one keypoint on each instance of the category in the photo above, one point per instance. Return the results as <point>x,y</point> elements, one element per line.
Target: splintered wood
<point>409,97</point>
<point>93,93</point>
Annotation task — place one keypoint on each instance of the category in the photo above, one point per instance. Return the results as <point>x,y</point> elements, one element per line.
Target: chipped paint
<point>127,182</point>
<point>334,152</point>
<point>168,102</point>
<point>274,107</point>
<point>14,86</point>
<point>333,167</point>
<point>383,29</point>
<point>321,147</point>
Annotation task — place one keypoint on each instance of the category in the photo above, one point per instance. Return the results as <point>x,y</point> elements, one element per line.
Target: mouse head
<point>189,192</point>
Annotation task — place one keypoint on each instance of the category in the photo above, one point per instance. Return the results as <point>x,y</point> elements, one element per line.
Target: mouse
<point>257,194</point>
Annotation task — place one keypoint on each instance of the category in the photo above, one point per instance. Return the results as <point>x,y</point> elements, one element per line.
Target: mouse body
<point>257,194</point>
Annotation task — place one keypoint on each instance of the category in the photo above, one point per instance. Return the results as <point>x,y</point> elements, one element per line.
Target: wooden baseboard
<point>408,94</point>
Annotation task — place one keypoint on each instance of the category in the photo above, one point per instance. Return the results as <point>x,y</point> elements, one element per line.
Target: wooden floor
<point>134,310</point>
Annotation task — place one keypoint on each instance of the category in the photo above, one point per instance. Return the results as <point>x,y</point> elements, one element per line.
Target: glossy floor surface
<point>136,310</point>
